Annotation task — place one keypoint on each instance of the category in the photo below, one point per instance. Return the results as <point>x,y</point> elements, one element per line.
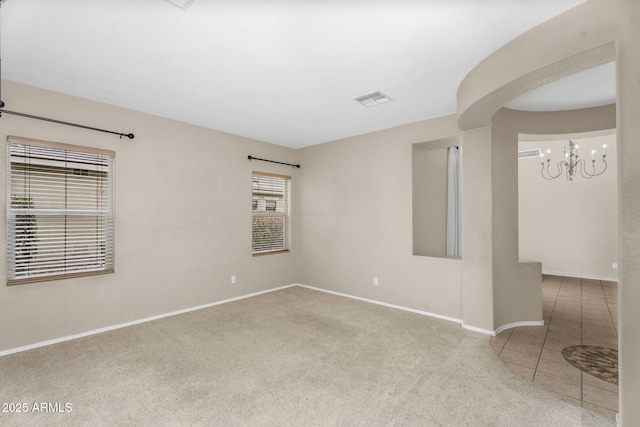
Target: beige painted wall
<point>180,231</point>
<point>356,221</point>
<point>570,226</point>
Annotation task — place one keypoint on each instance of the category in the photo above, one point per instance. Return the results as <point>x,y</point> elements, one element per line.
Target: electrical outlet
<point>375,281</point>
<point>615,266</point>
<point>233,279</point>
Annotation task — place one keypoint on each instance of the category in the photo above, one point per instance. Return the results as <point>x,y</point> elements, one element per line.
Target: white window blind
<point>271,225</point>
<point>59,211</point>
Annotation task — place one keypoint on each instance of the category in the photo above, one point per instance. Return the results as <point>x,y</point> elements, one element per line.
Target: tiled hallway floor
<point>576,312</point>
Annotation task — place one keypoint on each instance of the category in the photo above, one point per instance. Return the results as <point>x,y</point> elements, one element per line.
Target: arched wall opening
<point>591,34</point>
<point>516,287</point>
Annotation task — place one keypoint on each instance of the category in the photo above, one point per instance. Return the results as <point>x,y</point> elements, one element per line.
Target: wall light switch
<point>615,266</point>
<point>233,279</point>
<point>375,281</point>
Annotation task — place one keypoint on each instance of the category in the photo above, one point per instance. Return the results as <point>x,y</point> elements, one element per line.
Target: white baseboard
<point>135,322</point>
<point>504,327</point>
<point>581,276</point>
<point>372,301</point>
<point>479,330</point>
<point>426,313</point>
<point>200,307</point>
<point>517,325</point>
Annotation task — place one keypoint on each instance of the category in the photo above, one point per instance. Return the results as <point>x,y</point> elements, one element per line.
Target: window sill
<point>11,282</point>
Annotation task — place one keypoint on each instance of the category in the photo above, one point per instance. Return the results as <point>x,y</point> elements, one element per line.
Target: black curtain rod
<point>29,116</point>
<point>273,161</point>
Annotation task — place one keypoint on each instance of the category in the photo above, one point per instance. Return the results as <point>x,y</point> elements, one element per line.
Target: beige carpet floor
<point>294,357</point>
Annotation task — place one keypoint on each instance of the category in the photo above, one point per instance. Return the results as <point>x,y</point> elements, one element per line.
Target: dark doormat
<point>601,362</point>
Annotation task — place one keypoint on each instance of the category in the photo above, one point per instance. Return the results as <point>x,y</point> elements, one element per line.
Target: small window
<point>60,211</point>
<point>271,222</point>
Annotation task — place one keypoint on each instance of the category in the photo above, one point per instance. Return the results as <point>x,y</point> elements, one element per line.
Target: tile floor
<point>576,312</point>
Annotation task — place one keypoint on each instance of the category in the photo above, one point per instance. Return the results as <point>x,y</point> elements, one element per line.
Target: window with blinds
<point>271,225</point>
<point>59,211</point>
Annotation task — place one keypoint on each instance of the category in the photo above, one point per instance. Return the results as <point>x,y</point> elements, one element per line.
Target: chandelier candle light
<point>572,163</point>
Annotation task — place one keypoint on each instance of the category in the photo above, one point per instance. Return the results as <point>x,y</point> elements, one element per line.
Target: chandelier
<point>572,164</point>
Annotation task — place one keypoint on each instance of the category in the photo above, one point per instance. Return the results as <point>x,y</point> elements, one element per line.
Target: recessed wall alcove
<point>430,196</point>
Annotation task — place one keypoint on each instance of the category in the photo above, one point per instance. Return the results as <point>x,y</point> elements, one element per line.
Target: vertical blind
<point>59,211</point>
<point>271,225</point>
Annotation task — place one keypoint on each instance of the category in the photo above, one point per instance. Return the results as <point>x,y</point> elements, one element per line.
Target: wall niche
<point>430,198</point>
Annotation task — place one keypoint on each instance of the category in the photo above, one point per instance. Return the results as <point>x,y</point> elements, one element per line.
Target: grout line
<point>535,370</point>
<point>506,341</point>
<point>606,300</point>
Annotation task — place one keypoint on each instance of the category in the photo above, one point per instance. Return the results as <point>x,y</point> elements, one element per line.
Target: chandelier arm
<point>583,169</point>
<point>551,176</point>
<point>559,165</point>
<point>594,174</point>
<point>548,177</point>
<point>605,167</point>
<point>542,172</point>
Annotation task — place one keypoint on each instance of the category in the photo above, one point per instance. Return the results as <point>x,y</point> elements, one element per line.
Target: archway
<point>591,34</point>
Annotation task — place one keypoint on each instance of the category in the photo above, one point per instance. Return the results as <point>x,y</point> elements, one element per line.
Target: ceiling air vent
<point>525,154</point>
<point>182,4</point>
<point>373,99</point>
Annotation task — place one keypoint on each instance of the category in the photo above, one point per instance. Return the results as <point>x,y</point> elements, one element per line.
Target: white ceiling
<point>281,71</point>
<point>591,88</point>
